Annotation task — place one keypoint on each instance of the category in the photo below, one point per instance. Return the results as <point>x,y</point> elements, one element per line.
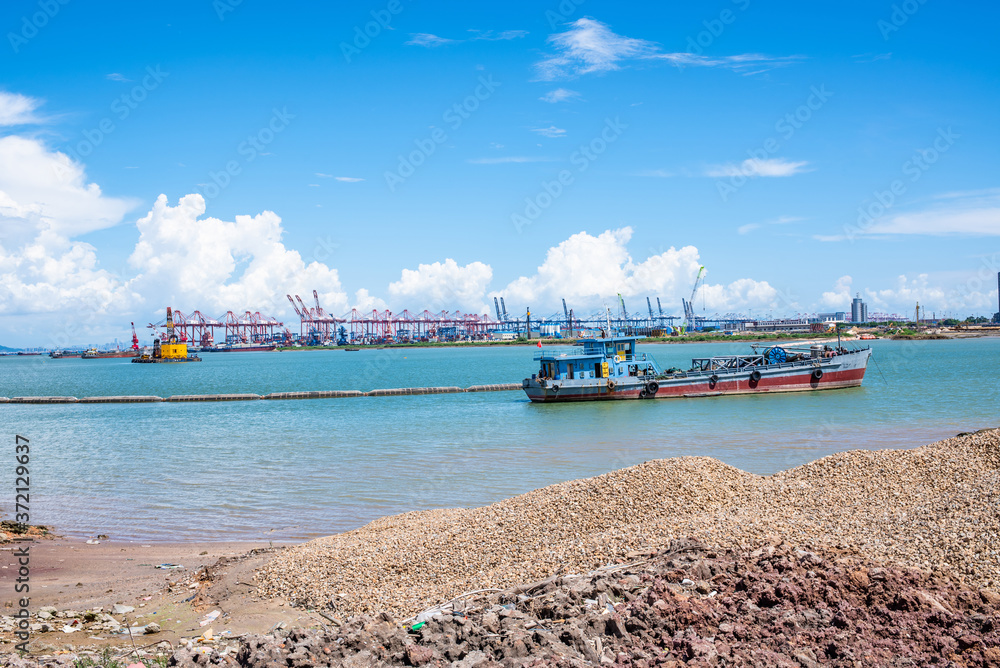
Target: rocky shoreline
<point>687,604</point>
<point>862,558</point>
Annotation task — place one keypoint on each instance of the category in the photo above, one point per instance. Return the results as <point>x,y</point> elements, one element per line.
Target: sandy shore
<point>71,575</point>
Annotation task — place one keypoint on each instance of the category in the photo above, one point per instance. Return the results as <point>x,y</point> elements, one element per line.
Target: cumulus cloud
<point>363,302</point>
<point>191,261</point>
<point>51,190</point>
<point>591,270</point>
<point>443,285</point>
<point>838,299</point>
<point>971,295</point>
<point>46,201</point>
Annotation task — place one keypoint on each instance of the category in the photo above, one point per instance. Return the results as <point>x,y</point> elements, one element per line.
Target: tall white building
<point>859,310</point>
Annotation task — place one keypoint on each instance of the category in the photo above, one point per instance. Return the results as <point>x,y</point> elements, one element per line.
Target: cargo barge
<point>95,354</point>
<point>611,369</point>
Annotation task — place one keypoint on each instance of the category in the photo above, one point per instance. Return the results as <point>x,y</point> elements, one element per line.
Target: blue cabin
<point>611,357</point>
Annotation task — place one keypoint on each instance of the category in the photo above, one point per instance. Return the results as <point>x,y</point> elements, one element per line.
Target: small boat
<point>610,368</point>
<point>352,350</point>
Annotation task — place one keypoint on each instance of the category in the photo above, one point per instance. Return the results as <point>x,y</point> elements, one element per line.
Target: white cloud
<point>213,265</point>
<point>744,63</point>
<point>560,95</point>
<point>443,286</point>
<point>964,215</point>
<point>46,201</point>
<point>838,299</point>
<point>908,292</point>
<point>47,191</point>
<point>752,167</point>
<point>348,179</point>
<point>115,76</point>
<point>508,158</point>
<point>428,40</point>
<point>324,176</point>
<point>365,302</point>
<point>590,271</point>
<point>656,173</point>
<point>956,293</point>
<point>590,46</point>
<point>551,131</point>
<point>490,36</point>
<point>17,109</point>
<point>748,228</point>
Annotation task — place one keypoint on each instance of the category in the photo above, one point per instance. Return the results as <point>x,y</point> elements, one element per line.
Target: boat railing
<point>704,371</point>
<point>549,353</point>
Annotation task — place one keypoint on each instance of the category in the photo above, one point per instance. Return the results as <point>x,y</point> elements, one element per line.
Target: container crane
<point>319,309</point>
<point>565,310</point>
<point>689,305</point>
<point>652,318</point>
<point>504,307</point>
<point>296,308</point>
<point>497,305</point>
<point>135,338</point>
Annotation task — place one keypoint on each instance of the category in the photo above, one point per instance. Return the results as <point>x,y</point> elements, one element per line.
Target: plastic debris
<point>210,617</point>
<point>166,566</point>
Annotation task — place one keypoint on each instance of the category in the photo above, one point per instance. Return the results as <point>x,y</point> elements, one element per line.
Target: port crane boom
<point>689,305</point>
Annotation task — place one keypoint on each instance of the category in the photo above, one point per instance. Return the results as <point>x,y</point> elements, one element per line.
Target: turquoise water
<point>288,470</point>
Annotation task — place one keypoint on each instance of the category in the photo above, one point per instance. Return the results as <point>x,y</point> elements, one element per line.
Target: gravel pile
<point>936,507</point>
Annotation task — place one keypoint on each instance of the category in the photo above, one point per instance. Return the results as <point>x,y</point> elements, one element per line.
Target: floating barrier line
<point>319,394</point>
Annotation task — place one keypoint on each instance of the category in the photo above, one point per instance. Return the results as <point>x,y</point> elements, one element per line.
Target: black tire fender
<point>611,385</point>
<point>754,375</point>
<point>713,380</point>
<point>817,374</point>
<point>555,388</point>
<point>652,387</point>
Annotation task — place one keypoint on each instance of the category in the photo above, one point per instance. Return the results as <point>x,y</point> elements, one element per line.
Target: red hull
<point>837,373</point>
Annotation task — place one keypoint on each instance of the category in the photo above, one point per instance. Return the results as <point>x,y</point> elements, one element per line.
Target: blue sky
<point>801,154</point>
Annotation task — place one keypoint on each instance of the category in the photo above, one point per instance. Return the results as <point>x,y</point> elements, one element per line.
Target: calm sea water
<point>288,470</point>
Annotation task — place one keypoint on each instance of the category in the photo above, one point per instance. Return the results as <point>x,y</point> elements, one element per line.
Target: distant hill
<point>5,349</point>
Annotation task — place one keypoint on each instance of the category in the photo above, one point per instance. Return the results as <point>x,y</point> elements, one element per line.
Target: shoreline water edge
<point>897,536</point>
